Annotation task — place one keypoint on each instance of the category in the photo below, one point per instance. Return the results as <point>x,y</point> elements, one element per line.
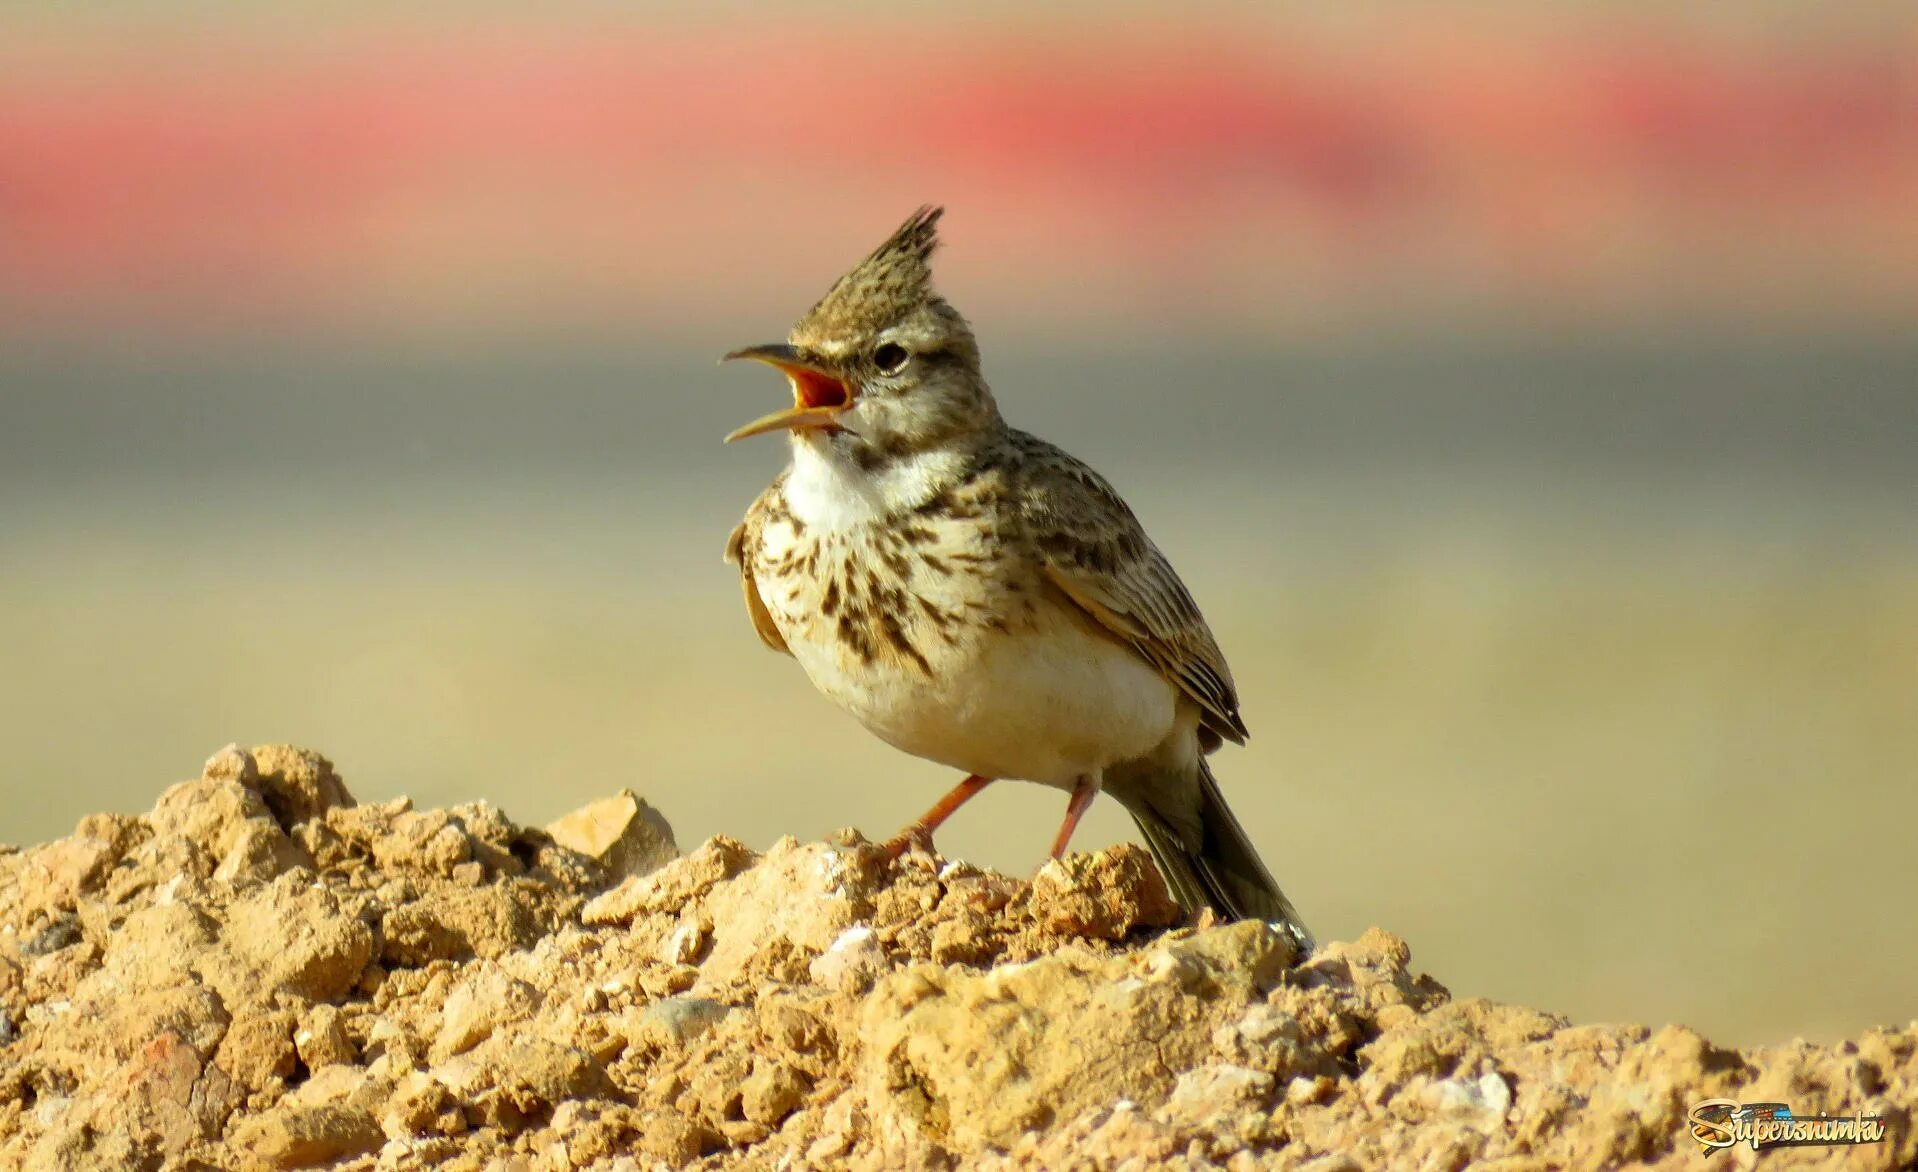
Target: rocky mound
<point>262,973</point>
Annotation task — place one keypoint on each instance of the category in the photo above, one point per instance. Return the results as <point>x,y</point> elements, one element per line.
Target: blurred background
<point>1529,394</point>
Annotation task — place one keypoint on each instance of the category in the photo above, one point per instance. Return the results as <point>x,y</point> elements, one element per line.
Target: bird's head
<point>882,367</point>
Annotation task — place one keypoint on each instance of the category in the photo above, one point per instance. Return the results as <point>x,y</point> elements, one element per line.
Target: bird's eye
<point>890,357</point>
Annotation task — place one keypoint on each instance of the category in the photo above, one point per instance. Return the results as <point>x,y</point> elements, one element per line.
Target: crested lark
<point>975,596</point>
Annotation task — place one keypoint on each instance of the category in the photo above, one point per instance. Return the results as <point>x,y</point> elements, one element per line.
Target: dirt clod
<point>260,972</point>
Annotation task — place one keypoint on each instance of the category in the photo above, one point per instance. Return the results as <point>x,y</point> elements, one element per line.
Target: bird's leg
<point>1076,807</point>
<point>920,832</point>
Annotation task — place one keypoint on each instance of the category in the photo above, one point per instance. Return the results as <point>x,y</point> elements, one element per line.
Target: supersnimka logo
<point>1726,1123</point>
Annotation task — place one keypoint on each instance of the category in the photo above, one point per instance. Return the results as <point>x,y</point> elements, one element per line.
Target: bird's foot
<point>919,834</point>
<point>913,838</point>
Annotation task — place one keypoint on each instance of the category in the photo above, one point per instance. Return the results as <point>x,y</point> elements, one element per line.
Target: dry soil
<point>260,972</point>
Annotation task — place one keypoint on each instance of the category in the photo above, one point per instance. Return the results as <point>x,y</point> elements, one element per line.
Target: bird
<point>974,596</point>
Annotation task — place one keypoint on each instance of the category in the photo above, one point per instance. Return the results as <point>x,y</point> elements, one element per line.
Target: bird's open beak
<point>819,397</point>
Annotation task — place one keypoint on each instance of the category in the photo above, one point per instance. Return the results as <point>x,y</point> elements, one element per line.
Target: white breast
<point>827,491</point>
<point>1000,675</point>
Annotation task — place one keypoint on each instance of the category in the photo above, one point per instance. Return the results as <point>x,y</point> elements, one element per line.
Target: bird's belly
<point>1047,700</point>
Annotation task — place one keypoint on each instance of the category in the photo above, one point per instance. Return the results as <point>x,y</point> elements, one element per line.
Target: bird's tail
<point>1216,866</point>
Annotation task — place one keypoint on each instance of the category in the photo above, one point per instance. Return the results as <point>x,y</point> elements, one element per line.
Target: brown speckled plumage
<point>974,595</point>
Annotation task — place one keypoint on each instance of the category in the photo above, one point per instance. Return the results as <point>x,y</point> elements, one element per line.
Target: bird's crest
<point>895,280</point>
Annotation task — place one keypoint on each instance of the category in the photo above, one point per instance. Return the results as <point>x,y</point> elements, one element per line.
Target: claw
<point>919,834</point>
<point>914,837</point>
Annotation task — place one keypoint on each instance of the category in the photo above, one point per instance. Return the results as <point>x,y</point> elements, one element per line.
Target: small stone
<point>321,1040</point>
<point>211,813</point>
<point>420,1105</point>
<point>298,784</point>
<point>168,1098</point>
<point>423,840</point>
<point>512,1083</point>
<point>853,962</point>
<point>333,1084</point>
<point>83,862</point>
<point>290,936</point>
<point>1302,1092</point>
<point>232,764</point>
<point>59,933</point>
<point>258,1047</point>
<point>771,1092</point>
<point>672,886</point>
<point>676,1142</point>
<point>300,1136</point>
<point>675,1021</point>
<point>742,1133</point>
<point>1489,1093</point>
<point>1104,896</point>
<point>458,923</point>
<point>622,833</point>
<point>828,1147</point>
<point>259,853</point>
<point>684,945</point>
<point>486,1001</point>
<point>1207,1090</point>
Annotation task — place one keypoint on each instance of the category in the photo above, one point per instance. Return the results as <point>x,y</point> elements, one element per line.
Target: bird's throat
<point>836,484</point>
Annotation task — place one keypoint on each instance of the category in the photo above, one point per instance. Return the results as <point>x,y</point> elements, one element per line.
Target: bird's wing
<point>1095,551</point>
<point>739,553</point>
